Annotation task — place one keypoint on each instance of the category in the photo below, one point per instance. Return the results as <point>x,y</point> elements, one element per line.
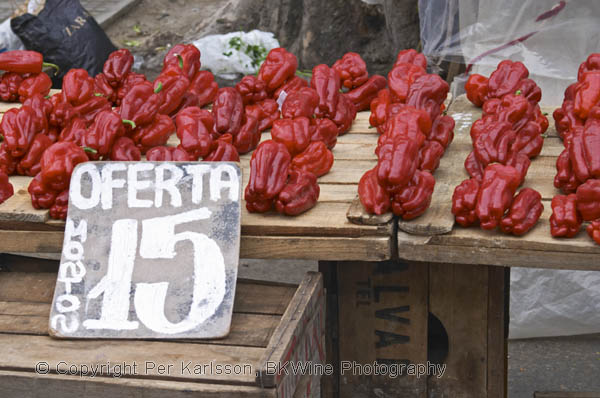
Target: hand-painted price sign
<point>151,250</point>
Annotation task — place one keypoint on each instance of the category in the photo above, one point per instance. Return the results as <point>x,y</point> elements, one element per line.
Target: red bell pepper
<point>494,143</point>
<point>291,85</point>
<point>408,121</point>
<point>524,212</point>
<point>102,87</point>
<point>591,63</point>
<point>222,151</point>
<point>374,198</point>
<point>6,188</point>
<point>103,133</point>
<point>8,164</point>
<point>194,128</point>
<point>266,112</point>
<point>529,140</point>
<point>362,95</point>
<point>442,130</point>
<point>324,130</point>
<point>293,133</point>
<point>398,159</point>
<point>464,201</point>
<point>42,197</point>
<point>429,156</point>
<point>316,158</point>
<point>35,84</point>
<point>411,56</point>
<point>252,89</point>
<point>140,105</point>
<point>125,150</point>
<point>154,134</point>
<point>184,56</point>
<point>519,162</point>
<point>59,209</point>
<point>299,194</point>
<point>204,87</point>
<point>117,66</point>
<point>74,131</point>
<point>344,115</point>
<point>168,154</point>
<point>593,230</point>
<point>495,196</point>
<point>19,127</point>
<point>89,109</point>
<point>565,179</point>
<point>173,85</point>
<point>587,94</point>
<point>58,163</point>
<point>477,89</point>
<point>9,86</point>
<point>78,87</point>
<point>380,107</point>
<point>401,77</point>
<point>506,78</point>
<point>428,92</point>
<point>228,109</point>
<point>30,164</point>
<point>301,102</point>
<point>278,67</point>
<point>62,112</point>
<point>248,137</point>
<point>352,70</point>
<point>414,199</point>
<point>327,83</point>
<point>565,220</point>
<point>132,79</point>
<point>588,200</point>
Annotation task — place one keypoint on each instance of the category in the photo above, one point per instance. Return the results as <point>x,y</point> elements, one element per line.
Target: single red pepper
<point>293,133</point>
<point>414,199</point>
<point>565,220</point>
<point>299,194</point>
<point>401,77</point>
<point>132,79</point>
<point>519,162</point>
<point>362,95</point>
<point>8,164</point>
<point>510,108</point>
<point>9,86</point>
<point>58,162</point>
<point>301,102</point>
<point>278,67</point>
<point>154,134</point>
<point>62,112</point>
<point>74,131</point>
<point>194,128</point>
<point>125,150</point>
<point>291,85</point>
<point>524,212</point>
<point>477,89</point>
<point>593,230</point>
<point>58,210</point>
<point>327,83</point>
<point>78,87</point>
<point>248,137</point>
<point>352,70</point>
<point>495,196</point>
<point>324,130</point>
<point>529,140</point>
<point>42,197</point>
<point>19,127</point>
<point>117,66</point>
<point>228,109</point>
<point>91,108</point>
<point>584,148</point>
<point>408,121</point>
<point>588,200</point>
<point>141,104</point>
<point>374,198</point>
<point>23,61</point>
<point>411,56</point>
<point>565,179</point>
<point>268,175</point>
<point>184,56</point>
<point>173,85</point>
<point>398,159</point>
<point>506,78</point>
<point>442,130</point>
<point>222,151</point>
<point>42,108</point>
<point>252,89</point>
<point>380,107</point>
<point>464,201</point>
<point>316,158</point>
<point>6,188</point>
<point>587,94</point>
<point>344,115</point>
<point>493,144</point>
<point>429,156</point>
<point>205,88</point>
<point>266,112</point>
<point>530,90</point>
<point>591,63</point>
<point>168,154</point>
<point>30,164</point>
<point>102,134</point>
<point>35,84</point>
<point>428,92</point>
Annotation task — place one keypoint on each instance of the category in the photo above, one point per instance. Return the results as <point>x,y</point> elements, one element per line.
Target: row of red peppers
<point>505,138</point>
<point>23,76</point>
<point>578,166</point>
<point>414,136</point>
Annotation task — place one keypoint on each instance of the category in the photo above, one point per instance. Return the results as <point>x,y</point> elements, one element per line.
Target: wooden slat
<point>317,248</point>
<point>497,331</point>
<point>30,385</point>
<point>565,394</point>
<point>357,215</point>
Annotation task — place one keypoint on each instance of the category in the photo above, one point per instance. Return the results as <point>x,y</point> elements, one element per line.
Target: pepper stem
<point>49,65</point>
<point>129,122</point>
<point>90,150</point>
<point>158,88</point>
<point>1,137</point>
<point>180,58</point>
<point>98,95</point>
<point>304,73</point>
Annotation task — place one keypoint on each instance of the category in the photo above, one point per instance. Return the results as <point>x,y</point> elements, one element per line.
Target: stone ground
<point>547,364</point>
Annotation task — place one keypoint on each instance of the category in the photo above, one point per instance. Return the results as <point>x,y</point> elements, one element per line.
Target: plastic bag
<point>550,37</point>
<point>67,35</point>
<point>8,40</point>
<point>225,60</point>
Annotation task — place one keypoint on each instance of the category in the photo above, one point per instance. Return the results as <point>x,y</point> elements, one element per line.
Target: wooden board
<point>271,322</point>
<point>566,394</point>
<point>475,246</point>
<point>324,232</point>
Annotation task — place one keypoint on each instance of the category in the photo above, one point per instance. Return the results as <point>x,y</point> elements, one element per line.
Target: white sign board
<point>151,250</point>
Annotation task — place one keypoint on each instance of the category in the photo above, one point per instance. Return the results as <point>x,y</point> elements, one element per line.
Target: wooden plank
<point>289,333</point>
<point>19,352</point>
<point>251,297</point>
<point>458,297</point>
<point>317,248</point>
<point>18,207</point>
<point>357,215</point>
<point>30,385</point>
<point>330,384</point>
<point>565,394</point>
<point>382,316</point>
<point>497,331</point>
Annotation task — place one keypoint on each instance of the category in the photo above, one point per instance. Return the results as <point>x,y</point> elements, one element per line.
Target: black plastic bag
<point>67,35</point>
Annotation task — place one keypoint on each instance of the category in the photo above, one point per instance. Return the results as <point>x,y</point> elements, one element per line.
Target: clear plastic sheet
<point>551,38</point>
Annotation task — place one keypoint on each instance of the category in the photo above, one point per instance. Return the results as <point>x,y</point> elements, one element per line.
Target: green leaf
<point>137,29</point>
<point>228,54</point>
<point>131,43</point>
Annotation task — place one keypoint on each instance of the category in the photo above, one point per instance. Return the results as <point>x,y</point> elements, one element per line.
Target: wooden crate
<point>387,312</point>
<point>272,324</point>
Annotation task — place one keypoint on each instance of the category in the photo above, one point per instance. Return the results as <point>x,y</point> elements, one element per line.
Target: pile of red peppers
<point>23,76</point>
<point>414,136</point>
<point>578,166</point>
<point>506,137</point>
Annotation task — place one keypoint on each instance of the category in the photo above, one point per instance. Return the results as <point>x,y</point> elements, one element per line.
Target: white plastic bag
<point>8,40</point>
<point>227,62</point>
